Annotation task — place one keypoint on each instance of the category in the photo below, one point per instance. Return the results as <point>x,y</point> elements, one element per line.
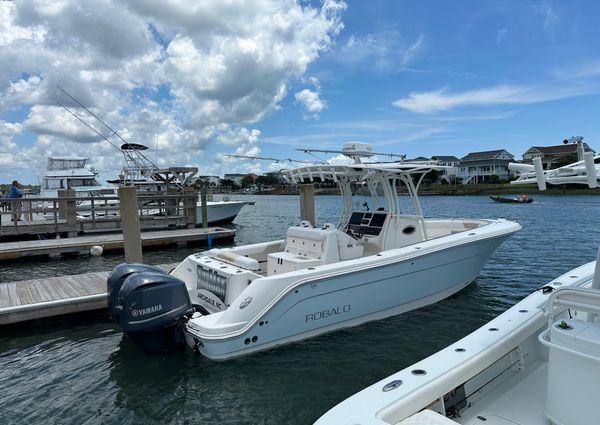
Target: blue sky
<point>421,78</point>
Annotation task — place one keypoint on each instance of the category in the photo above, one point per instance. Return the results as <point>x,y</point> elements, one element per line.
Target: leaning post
<point>307,203</point>
<point>132,238</point>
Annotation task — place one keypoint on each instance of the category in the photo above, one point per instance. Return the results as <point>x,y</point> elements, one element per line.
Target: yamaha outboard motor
<point>115,281</point>
<point>151,307</point>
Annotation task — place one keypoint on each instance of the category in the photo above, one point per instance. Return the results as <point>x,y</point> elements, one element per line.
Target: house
<point>210,181</point>
<point>554,156</point>
<point>235,177</point>
<point>449,174</point>
<point>418,159</point>
<point>478,167</point>
<point>279,175</point>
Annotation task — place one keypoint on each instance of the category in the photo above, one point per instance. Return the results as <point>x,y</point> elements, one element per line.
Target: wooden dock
<point>35,299</point>
<point>110,242</point>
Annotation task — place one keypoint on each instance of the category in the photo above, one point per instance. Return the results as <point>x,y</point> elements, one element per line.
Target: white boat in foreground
<point>371,265</point>
<point>536,364</point>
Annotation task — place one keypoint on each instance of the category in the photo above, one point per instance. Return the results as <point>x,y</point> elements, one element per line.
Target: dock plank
<point>4,296</point>
<point>75,282</point>
<point>46,297</point>
<point>42,293</point>
<point>82,244</point>
<point>13,296</point>
<point>34,296</point>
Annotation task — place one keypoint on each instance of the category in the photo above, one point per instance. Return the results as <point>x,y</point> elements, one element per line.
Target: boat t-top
<point>319,278</point>
<point>538,363</point>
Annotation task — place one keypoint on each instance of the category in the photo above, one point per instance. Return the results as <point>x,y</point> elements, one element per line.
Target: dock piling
<point>204,207</point>
<point>132,239</point>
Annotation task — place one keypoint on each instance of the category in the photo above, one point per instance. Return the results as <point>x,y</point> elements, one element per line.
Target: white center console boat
<point>319,278</point>
<point>536,364</point>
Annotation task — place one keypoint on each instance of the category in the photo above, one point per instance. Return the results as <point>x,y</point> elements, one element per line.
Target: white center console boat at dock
<point>536,364</point>
<point>371,265</point>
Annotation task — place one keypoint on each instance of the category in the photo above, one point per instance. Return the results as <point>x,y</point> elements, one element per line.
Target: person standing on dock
<point>15,193</point>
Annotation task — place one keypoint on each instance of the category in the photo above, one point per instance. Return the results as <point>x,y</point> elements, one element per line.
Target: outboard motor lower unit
<point>152,308</point>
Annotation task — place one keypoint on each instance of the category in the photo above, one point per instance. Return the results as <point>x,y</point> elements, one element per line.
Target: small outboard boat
<point>517,200</point>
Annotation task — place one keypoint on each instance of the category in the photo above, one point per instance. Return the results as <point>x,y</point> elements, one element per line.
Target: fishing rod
<point>114,132</point>
<point>87,125</point>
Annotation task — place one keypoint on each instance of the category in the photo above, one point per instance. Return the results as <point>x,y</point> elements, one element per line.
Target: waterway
<point>85,372</point>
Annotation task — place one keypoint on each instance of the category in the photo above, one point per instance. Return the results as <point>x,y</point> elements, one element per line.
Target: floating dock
<point>35,299</point>
<point>110,242</point>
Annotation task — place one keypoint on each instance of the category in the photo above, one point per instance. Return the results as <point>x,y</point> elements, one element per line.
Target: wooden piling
<point>307,203</point>
<point>132,239</point>
<point>189,201</point>
<point>204,207</point>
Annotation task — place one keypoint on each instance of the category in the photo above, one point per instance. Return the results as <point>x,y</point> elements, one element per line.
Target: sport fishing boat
<point>372,264</point>
<point>536,364</point>
<point>148,178</point>
<point>73,173</point>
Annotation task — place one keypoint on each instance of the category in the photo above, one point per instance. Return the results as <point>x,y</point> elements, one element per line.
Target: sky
<point>195,80</point>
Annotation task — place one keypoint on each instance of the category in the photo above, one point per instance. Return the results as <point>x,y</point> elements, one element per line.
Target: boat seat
<point>313,242</point>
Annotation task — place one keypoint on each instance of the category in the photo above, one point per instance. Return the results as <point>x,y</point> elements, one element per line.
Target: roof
<point>445,158</point>
<point>419,158</point>
<point>559,149</point>
<point>484,155</point>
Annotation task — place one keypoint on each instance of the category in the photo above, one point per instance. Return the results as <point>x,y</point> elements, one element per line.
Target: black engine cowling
<point>115,281</point>
<point>151,308</point>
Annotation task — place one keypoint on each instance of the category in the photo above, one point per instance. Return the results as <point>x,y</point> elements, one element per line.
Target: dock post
<point>67,210</point>
<point>132,239</point>
<point>71,213</point>
<point>189,201</point>
<point>204,207</point>
<point>307,202</point>
<point>62,204</point>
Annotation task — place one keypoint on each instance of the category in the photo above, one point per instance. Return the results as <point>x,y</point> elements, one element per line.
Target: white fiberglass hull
<point>219,212</point>
<point>335,296</point>
<point>500,370</point>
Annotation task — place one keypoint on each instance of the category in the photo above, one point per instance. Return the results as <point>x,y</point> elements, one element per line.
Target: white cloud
<point>311,101</point>
<point>217,68</point>
<point>409,53</point>
<point>384,51</point>
<point>340,159</point>
<point>443,100</point>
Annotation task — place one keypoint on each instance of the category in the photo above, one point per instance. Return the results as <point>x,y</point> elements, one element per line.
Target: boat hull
<point>510,200</point>
<point>219,212</point>
<point>315,306</point>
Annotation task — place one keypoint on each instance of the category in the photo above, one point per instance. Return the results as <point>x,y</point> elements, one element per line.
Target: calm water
<point>85,372</point>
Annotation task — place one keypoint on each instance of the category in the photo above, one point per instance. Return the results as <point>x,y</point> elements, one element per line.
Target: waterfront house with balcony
<point>449,174</point>
<point>554,156</point>
<point>479,167</point>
